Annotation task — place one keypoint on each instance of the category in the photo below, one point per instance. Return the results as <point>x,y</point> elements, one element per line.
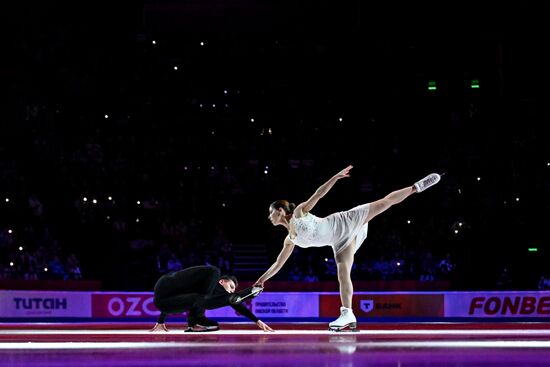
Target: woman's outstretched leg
<point>395,197</point>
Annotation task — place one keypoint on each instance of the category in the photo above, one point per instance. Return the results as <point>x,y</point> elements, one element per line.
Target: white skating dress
<point>336,230</point>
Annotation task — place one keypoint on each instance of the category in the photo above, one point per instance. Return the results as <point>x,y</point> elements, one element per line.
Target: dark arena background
<point>143,138</point>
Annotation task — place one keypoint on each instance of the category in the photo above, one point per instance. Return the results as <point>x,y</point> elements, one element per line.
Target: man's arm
<point>159,327</point>
<point>240,308</point>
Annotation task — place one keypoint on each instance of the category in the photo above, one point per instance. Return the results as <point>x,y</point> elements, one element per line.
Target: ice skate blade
<point>352,327</point>
<point>344,330</point>
<point>201,329</point>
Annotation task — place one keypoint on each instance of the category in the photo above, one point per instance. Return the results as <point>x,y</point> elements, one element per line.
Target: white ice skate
<point>427,181</point>
<point>346,320</point>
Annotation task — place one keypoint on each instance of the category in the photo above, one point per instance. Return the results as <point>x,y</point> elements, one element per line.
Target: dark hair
<point>230,277</point>
<point>287,207</point>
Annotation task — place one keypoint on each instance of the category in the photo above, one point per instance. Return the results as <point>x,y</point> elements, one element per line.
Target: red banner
<point>386,305</point>
<point>123,305</point>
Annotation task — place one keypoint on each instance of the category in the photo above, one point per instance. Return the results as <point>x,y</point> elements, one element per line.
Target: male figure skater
<point>197,289</point>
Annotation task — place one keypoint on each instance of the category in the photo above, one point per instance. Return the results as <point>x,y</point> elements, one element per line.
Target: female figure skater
<point>344,231</point>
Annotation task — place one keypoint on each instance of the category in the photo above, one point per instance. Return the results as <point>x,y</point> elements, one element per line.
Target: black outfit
<point>194,289</point>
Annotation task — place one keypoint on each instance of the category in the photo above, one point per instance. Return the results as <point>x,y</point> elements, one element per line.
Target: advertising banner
<point>292,305</point>
<point>34,304</point>
<point>386,305</point>
<point>277,305</point>
<point>123,305</point>
<point>497,304</point>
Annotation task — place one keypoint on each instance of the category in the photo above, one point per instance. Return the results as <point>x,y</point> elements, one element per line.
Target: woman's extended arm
<point>306,206</point>
<point>288,247</point>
